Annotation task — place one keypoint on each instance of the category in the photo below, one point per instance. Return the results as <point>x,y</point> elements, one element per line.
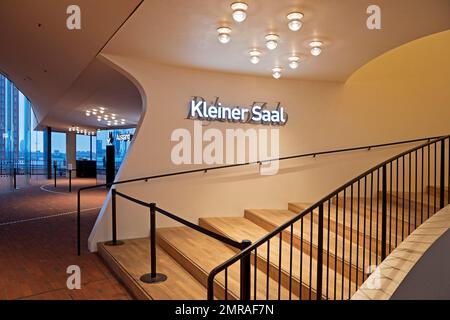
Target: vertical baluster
<point>328,245</point>
<point>311,253</point>
<point>280,247</point>
<point>343,245</point>
<point>290,259</point>
<point>415,190</point>
<point>378,215</point>
<point>435,177</point>
<point>390,207</point>
<point>442,175</point>
<point>351,242</point>
<point>396,203</point>
<point>320,253</point>
<point>370,219</point>
<point>335,246</point>
<point>226,283</point>
<point>403,198</point>
<point>268,269</point>
<point>301,259</point>
<point>364,231</point>
<point>409,195</point>
<point>428,186</point>
<point>448,173</point>
<point>357,232</point>
<point>255,272</point>
<point>383,213</point>
<point>421,188</point>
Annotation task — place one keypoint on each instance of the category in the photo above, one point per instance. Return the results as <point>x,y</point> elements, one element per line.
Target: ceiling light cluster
<point>109,118</point>
<point>79,130</point>
<point>294,18</point>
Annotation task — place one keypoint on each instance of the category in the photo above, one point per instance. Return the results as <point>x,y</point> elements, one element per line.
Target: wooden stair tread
<point>240,228</point>
<point>278,217</point>
<point>205,253</point>
<point>127,262</point>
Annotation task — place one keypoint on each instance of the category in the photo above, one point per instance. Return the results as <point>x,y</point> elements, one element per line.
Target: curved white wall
<point>374,106</point>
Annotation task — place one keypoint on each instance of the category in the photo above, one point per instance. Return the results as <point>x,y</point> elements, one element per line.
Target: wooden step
<point>199,254</point>
<point>242,228</point>
<point>270,219</point>
<point>132,259</point>
<point>369,241</point>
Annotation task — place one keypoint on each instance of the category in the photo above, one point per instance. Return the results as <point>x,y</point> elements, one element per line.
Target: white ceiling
<point>184,33</point>
<point>56,67</point>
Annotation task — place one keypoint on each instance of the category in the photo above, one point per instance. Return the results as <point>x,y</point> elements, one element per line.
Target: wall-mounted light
<point>316,47</point>
<point>295,18</point>
<point>255,56</point>
<point>224,34</point>
<point>276,72</point>
<point>239,11</point>
<point>272,41</point>
<point>294,62</point>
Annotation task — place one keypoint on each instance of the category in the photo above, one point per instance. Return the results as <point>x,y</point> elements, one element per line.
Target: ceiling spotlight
<point>272,41</point>
<point>316,47</point>
<point>224,34</point>
<point>102,111</point>
<point>255,55</point>
<point>239,11</point>
<point>276,72</point>
<point>88,113</point>
<point>94,112</point>
<point>101,108</point>
<point>99,119</point>
<point>294,62</point>
<point>294,20</point>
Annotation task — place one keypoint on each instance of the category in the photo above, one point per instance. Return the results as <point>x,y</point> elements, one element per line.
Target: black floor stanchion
<point>54,174</point>
<point>15,178</point>
<point>70,180</point>
<point>153,276</point>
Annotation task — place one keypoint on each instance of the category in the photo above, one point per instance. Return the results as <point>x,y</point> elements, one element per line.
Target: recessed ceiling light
<point>316,47</point>
<point>101,108</point>
<point>239,11</point>
<point>294,62</point>
<point>224,34</point>
<point>94,112</point>
<point>276,72</point>
<point>294,20</point>
<point>88,114</point>
<point>102,111</point>
<point>255,56</point>
<point>272,41</point>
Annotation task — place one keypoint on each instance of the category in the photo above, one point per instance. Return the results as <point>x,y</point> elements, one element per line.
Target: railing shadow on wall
<point>370,195</point>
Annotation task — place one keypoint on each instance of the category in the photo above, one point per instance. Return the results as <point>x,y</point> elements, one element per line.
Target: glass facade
<point>15,131</point>
<point>121,139</point>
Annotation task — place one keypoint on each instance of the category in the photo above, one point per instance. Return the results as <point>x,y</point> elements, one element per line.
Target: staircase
<point>324,250</point>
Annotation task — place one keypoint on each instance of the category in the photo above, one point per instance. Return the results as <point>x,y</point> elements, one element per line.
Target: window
<point>59,149</point>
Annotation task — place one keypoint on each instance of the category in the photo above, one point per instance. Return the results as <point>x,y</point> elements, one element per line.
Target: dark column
<point>90,148</point>
<point>110,164</point>
<point>48,151</point>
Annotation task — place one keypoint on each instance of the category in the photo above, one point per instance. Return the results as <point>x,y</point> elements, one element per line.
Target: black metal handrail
<point>153,276</point>
<point>259,162</point>
<point>388,222</point>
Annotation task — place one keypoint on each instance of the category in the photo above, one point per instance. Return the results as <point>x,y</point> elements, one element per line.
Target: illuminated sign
<point>258,113</point>
<point>124,137</point>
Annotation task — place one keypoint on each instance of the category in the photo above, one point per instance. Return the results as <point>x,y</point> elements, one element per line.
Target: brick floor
<point>34,255</point>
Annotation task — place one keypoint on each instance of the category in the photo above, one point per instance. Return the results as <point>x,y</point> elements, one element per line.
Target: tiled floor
<point>35,253</point>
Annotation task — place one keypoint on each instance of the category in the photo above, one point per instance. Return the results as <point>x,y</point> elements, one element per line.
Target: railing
<point>334,244</point>
<point>153,276</point>
<point>260,162</point>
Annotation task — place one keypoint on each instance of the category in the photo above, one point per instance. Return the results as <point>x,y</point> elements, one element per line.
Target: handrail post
<point>114,241</point>
<point>383,213</point>
<point>70,180</point>
<point>153,276</point>
<point>15,178</point>
<point>320,254</point>
<point>54,169</point>
<point>245,272</point>
<point>78,222</point>
<point>442,189</point>
<point>153,239</point>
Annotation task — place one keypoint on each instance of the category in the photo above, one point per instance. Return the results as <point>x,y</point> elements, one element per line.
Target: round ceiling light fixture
<point>224,34</point>
<point>316,47</point>
<point>295,18</point>
<point>255,56</point>
<point>239,11</point>
<point>272,41</point>
<point>276,72</point>
<point>294,62</point>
